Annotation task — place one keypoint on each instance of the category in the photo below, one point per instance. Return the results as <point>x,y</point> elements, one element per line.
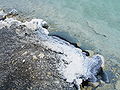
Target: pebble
<point>1,17</point>
<point>41,55</point>
<point>91,53</point>
<point>23,61</point>
<point>45,25</point>
<point>13,12</point>
<point>34,57</point>
<point>25,53</point>
<point>78,44</point>
<point>2,14</point>
<point>49,73</point>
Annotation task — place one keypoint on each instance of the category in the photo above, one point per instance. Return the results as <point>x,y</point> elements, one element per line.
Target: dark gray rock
<point>20,70</point>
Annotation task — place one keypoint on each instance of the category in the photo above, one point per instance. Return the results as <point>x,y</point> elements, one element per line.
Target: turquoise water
<point>95,23</point>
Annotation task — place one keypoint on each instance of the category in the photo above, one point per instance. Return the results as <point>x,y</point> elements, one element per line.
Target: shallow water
<point>95,23</point>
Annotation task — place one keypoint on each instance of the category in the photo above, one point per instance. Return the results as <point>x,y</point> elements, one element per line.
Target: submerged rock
<point>4,15</point>
<point>13,12</point>
<point>44,25</point>
<point>104,76</point>
<point>65,36</point>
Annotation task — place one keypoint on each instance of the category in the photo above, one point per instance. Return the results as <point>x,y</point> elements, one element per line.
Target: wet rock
<point>34,57</point>
<point>103,76</point>
<point>86,53</point>
<point>10,14</point>
<point>2,15</point>
<point>45,25</point>
<point>41,55</point>
<point>25,53</point>
<point>91,53</point>
<point>66,36</point>
<point>13,12</point>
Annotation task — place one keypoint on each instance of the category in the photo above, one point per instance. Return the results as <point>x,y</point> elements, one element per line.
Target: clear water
<point>95,23</point>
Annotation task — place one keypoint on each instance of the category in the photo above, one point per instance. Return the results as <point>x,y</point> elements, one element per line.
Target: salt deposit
<point>75,66</point>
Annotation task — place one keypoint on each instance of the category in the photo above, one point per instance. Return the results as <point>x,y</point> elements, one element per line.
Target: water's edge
<point>95,28</point>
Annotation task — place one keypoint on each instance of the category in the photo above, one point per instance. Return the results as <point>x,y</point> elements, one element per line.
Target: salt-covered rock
<point>13,12</point>
<point>44,25</point>
<point>75,66</point>
<point>2,15</point>
<point>36,24</point>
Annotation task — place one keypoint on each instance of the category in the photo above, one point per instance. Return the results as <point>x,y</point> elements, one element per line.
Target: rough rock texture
<point>30,59</point>
<point>26,65</point>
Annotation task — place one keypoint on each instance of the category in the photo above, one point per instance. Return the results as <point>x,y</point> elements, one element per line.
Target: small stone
<point>13,12</point>
<point>57,82</point>
<point>23,61</point>
<point>49,73</point>
<point>118,85</point>
<point>91,53</point>
<point>25,53</point>
<point>34,57</point>
<point>2,15</point>
<point>45,25</point>
<point>78,44</point>
<point>2,12</point>
<point>41,55</point>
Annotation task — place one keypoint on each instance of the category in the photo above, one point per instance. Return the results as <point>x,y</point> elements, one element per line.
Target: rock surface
<point>26,65</point>
<point>30,59</point>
